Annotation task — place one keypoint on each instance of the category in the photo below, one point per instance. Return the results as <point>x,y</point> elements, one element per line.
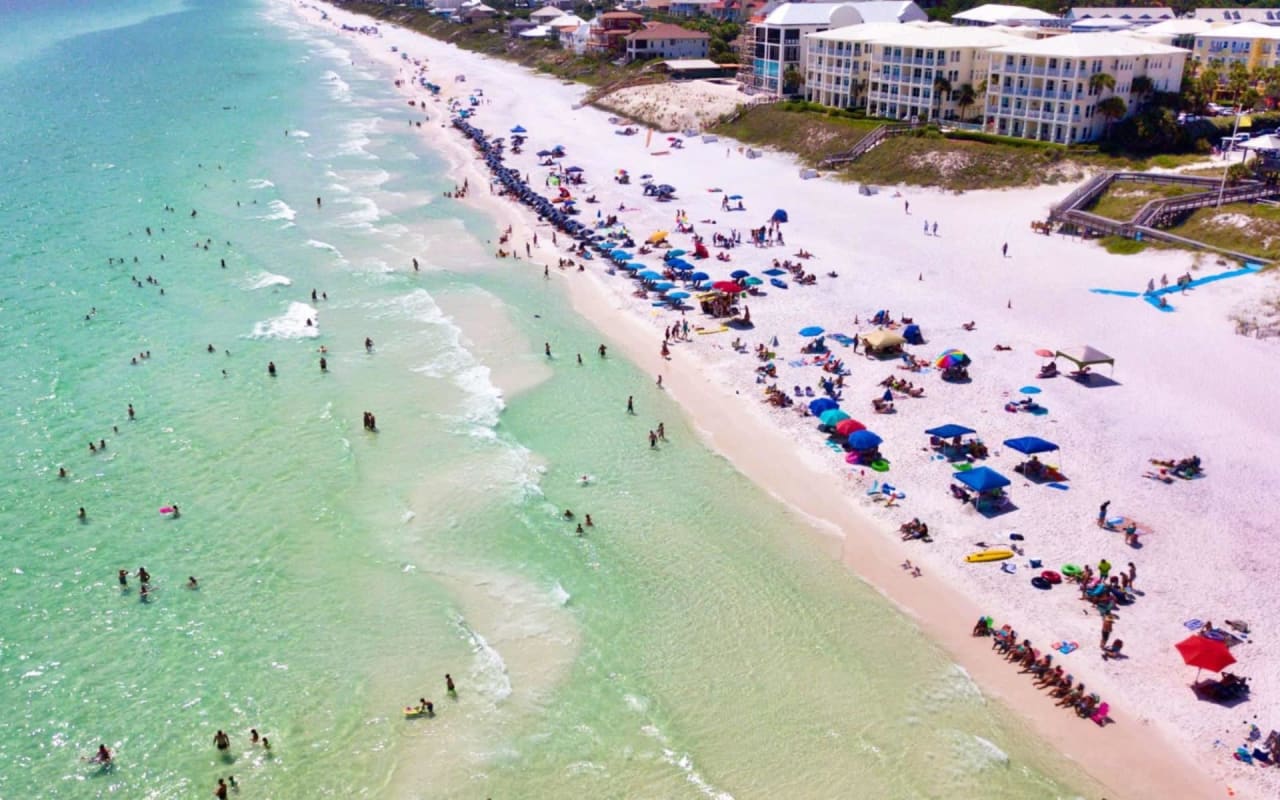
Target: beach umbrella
<point>773,342</point>
<point>735,197</point>
<point>780,215</point>
<point>982,479</point>
<point>728,287</point>
<point>657,236</point>
<point>663,286</point>
<point>677,295</point>
<point>738,274</point>
<point>1030,445</point>
<point>1202,652</point>
<point>1030,390</point>
<point>649,275</point>
<point>621,255</point>
<point>812,330</point>
<point>574,169</point>
<point>952,358</point>
<point>1044,353</point>
<point>775,271</point>
<point>675,253</point>
<point>543,153</point>
<point>680,263</point>
<point>864,440</point>
<point>633,265</point>
<point>847,426</point>
<point>519,129</point>
<point>949,431</point>
<point>816,407</point>
<point>832,416</point>
<point>699,276</point>
<point>753,281</point>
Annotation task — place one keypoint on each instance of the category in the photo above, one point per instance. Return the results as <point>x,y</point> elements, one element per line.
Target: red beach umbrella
<point>1202,652</point>
<point>728,287</point>
<point>847,426</point>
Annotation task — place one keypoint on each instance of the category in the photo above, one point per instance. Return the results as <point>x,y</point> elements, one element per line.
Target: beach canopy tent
<point>1268,142</point>
<point>1202,652</point>
<point>832,416</point>
<point>982,479</point>
<point>949,431</point>
<point>912,334</point>
<point>1085,356</point>
<point>1030,445</point>
<point>780,215</point>
<point>816,407</point>
<point>812,330</point>
<point>847,426</point>
<point>864,440</point>
<point>883,340</point>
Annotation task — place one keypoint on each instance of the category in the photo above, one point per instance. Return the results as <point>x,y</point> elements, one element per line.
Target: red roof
<point>665,30</point>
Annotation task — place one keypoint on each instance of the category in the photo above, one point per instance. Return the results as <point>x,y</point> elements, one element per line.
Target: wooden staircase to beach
<point>865,145</point>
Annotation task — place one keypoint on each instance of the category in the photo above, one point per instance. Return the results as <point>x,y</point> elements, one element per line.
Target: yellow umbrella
<point>657,236</point>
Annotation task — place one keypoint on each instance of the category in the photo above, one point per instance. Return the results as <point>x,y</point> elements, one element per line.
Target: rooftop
<point>804,13</point>
<point>665,30</point>
<point>1176,27</point>
<point>888,10</point>
<point>1268,15</point>
<point>1134,13</point>
<point>994,12</point>
<point>1088,45</point>
<point>928,34</point>
<point>1243,30</point>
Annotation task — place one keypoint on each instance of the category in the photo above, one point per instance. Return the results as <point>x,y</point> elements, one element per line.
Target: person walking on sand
<point>1102,514</point>
<point>659,381</point>
<point>1004,250</point>
<point>631,406</point>
<point>926,227</point>
<point>935,229</point>
<point>653,440</point>
<point>546,347</point>
<point>1107,623</point>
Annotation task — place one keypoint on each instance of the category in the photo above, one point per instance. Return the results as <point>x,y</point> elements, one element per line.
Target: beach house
<point>1253,44</point>
<point>773,45</point>
<point>608,31</point>
<point>1051,89</point>
<point>1267,16</point>
<point>1124,16</point>
<point>912,71</point>
<point>664,40</point>
<point>996,14</point>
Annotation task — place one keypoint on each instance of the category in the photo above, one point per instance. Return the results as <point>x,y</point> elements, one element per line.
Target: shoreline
<point>766,453</point>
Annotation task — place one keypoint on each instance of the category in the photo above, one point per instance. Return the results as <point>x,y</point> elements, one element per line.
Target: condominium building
<point>904,71</point>
<point>1045,89</point>
<point>774,43</point>
<point>1253,44</point>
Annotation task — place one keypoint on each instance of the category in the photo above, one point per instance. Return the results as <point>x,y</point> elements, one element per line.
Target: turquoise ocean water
<point>696,642</point>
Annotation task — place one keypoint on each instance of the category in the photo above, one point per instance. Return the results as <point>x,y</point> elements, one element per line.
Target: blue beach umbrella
<point>519,129</point>
<point>779,215</point>
<point>649,275</point>
<point>632,265</point>
<point>735,197</point>
<point>699,276</point>
<point>738,274</point>
<point>663,286</point>
<point>1030,390</point>
<point>621,255</point>
<point>864,440</point>
<point>950,431</point>
<point>816,407</point>
<point>1030,445</point>
<point>677,295</point>
<point>982,479</point>
<point>812,330</point>
<point>675,253</point>
<point>775,271</point>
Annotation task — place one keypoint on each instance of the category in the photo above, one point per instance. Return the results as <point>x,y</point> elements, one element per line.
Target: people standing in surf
<point>222,741</point>
<point>368,345</point>
<point>449,687</point>
<point>370,422</point>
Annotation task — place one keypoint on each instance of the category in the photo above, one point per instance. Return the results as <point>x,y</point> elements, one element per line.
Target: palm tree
<point>1100,82</point>
<point>941,88</point>
<point>1112,108</point>
<point>968,96</point>
<point>1141,86</point>
<point>792,80</point>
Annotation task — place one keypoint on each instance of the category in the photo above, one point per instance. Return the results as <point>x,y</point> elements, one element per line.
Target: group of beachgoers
<point>1053,678</point>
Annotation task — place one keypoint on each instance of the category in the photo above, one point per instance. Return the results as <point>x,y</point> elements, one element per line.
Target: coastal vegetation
<point>1122,200</point>
<point>1251,228</point>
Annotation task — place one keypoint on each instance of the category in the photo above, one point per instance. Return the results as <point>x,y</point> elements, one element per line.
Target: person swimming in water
<point>103,756</point>
<point>143,575</point>
<point>589,523</point>
<point>271,368</point>
<point>221,740</point>
<point>568,514</point>
<point>368,345</point>
<point>253,736</point>
<point>62,472</point>
<point>82,515</point>
<point>220,791</point>
<point>579,531</point>
<point>123,577</point>
<point>192,583</point>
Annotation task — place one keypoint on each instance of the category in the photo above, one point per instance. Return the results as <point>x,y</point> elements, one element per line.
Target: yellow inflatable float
<point>994,554</point>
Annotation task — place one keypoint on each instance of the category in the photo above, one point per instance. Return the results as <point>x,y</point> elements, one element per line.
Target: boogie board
<point>994,554</point>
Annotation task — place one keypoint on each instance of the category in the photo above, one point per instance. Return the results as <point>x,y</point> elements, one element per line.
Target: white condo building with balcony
<point>1044,89</point>
<point>903,71</point>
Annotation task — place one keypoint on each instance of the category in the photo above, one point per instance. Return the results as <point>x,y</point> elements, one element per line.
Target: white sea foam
<point>339,89</point>
<point>684,762</point>
<point>260,183</point>
<point>301,134</point>
<point>489,670</point>
<point>559,595</point>
<point>262,280</point>
<point>280,210</point>
<point>292,324</point>
<point>319,245</point>
<point>366,211</point>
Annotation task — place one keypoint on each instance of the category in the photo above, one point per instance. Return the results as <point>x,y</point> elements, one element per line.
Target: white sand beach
<point>1183,384</point>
